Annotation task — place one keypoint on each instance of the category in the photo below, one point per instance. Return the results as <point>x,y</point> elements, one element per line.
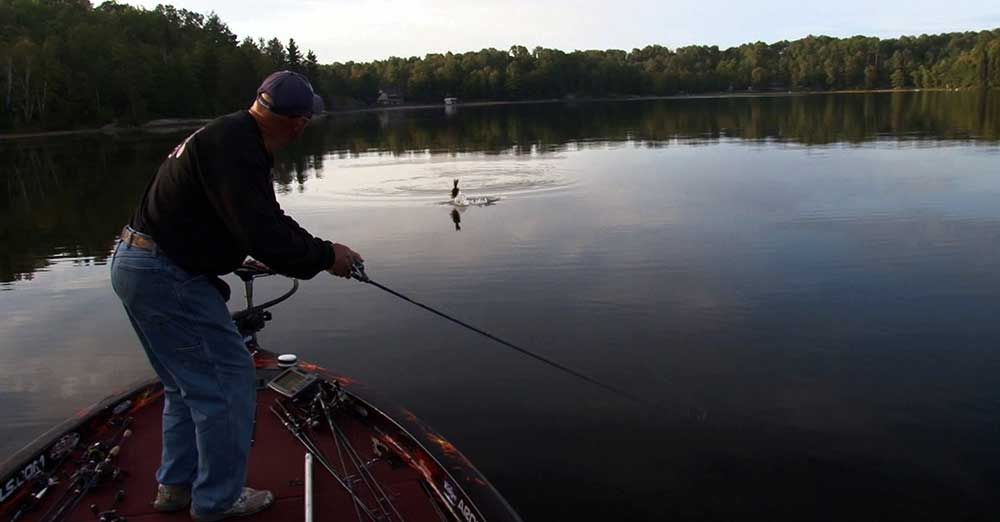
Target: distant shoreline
<point>160,126</point>
<point>167,125</point>
<point>713,95</point>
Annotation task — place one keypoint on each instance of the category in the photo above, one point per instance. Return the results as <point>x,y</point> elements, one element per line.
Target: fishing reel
<point>358,271</point>
<point>102,470</point>
<point>110,514</point>
<point>313,407</point>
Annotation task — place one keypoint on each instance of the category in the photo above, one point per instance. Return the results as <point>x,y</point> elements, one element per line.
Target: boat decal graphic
<point>449,493</point>
<point>458,504</point>
<point>64,445</point>
<point>21,477</point>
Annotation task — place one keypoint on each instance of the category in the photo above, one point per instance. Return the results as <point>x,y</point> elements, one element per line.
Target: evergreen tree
<point>312,67</point>
<point>293,56</point>
<point>275,50</point>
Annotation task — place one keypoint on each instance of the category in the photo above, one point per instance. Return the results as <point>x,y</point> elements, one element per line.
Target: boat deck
<point>397,467</point>
<point>276,464</point>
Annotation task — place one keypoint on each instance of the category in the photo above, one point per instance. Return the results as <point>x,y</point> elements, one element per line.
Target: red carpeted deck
<point>276,463</point>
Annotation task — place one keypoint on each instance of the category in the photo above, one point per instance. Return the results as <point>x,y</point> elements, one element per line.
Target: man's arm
<point>242,194</point>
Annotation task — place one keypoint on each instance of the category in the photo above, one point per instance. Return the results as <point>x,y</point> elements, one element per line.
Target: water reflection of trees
<point>813,119</point>
<point>69,197</point>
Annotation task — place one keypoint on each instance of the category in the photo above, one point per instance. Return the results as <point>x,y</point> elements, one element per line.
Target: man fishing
<point>210,205</point>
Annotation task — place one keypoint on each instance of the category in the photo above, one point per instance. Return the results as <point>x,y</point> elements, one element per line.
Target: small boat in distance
<point>325,445</point>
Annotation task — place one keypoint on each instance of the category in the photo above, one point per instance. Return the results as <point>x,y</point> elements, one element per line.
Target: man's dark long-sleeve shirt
<point>212,203</point>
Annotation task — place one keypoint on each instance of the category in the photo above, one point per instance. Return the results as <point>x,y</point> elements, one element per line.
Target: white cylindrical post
<point>309,487</point>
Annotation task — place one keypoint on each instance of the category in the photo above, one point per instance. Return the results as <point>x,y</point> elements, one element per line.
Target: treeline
<point>955,60</point>
<point>67,63</point>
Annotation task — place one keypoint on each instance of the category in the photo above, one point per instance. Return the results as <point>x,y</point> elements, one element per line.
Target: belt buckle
<point>132,238</point>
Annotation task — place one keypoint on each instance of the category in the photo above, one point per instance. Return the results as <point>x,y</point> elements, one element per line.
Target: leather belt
<point>133,238</point>
<point>138,239</point>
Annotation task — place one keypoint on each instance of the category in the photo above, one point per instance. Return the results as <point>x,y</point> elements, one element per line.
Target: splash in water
<point>461,200</point>
<point>430,180</point>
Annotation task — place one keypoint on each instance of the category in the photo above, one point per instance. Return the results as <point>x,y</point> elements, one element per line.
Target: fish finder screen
<point>290,380</point>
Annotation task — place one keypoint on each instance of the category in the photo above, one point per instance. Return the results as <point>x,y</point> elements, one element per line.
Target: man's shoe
<point>172,498</point>
<point>251,501</point>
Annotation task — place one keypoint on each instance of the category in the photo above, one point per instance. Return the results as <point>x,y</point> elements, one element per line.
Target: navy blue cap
<point>289,94</point>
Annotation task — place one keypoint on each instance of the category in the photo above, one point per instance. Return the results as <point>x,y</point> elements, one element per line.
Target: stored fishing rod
<point>358,272</point>
<point>297,429</point>
<point>340,437</point>
<point>97,469</point>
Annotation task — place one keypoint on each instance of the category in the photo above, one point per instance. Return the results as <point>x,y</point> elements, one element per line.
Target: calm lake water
<point>809,284</point>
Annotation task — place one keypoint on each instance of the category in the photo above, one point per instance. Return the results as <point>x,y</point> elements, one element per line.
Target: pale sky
<point>362,30</point>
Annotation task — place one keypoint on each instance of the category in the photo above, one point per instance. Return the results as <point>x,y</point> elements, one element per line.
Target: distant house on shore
<point>451,100</point>
<point>389,96</point>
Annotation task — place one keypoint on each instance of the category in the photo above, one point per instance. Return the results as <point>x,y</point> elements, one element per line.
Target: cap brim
<point>318,105</point>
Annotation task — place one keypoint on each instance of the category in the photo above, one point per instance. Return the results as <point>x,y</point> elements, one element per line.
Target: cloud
<point>373,29</point>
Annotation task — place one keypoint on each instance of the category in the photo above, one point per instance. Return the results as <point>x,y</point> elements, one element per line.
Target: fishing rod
<point>97,468</point>
<point>297,429</point>
<point>322,407</point>
<point>358,272</point>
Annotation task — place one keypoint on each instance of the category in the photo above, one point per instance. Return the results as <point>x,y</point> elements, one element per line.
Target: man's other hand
<point>343,260</point>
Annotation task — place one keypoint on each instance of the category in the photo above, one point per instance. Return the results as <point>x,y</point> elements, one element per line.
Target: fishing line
<point>358,272</point>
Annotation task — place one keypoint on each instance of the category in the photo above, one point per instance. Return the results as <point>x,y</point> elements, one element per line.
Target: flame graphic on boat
<point>447,447</point>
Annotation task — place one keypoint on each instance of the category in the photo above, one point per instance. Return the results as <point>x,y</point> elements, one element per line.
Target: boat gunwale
<point>15,465</point>
<point>417,431</point>
<point>424,442</point>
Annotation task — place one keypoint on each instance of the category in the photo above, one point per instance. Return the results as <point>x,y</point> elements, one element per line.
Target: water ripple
<point>431,181</point>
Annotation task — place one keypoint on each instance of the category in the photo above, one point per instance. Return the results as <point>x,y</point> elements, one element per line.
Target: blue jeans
<point>208,375</point>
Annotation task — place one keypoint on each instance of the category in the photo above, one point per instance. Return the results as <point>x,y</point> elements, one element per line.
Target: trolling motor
<point>252,319</point>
